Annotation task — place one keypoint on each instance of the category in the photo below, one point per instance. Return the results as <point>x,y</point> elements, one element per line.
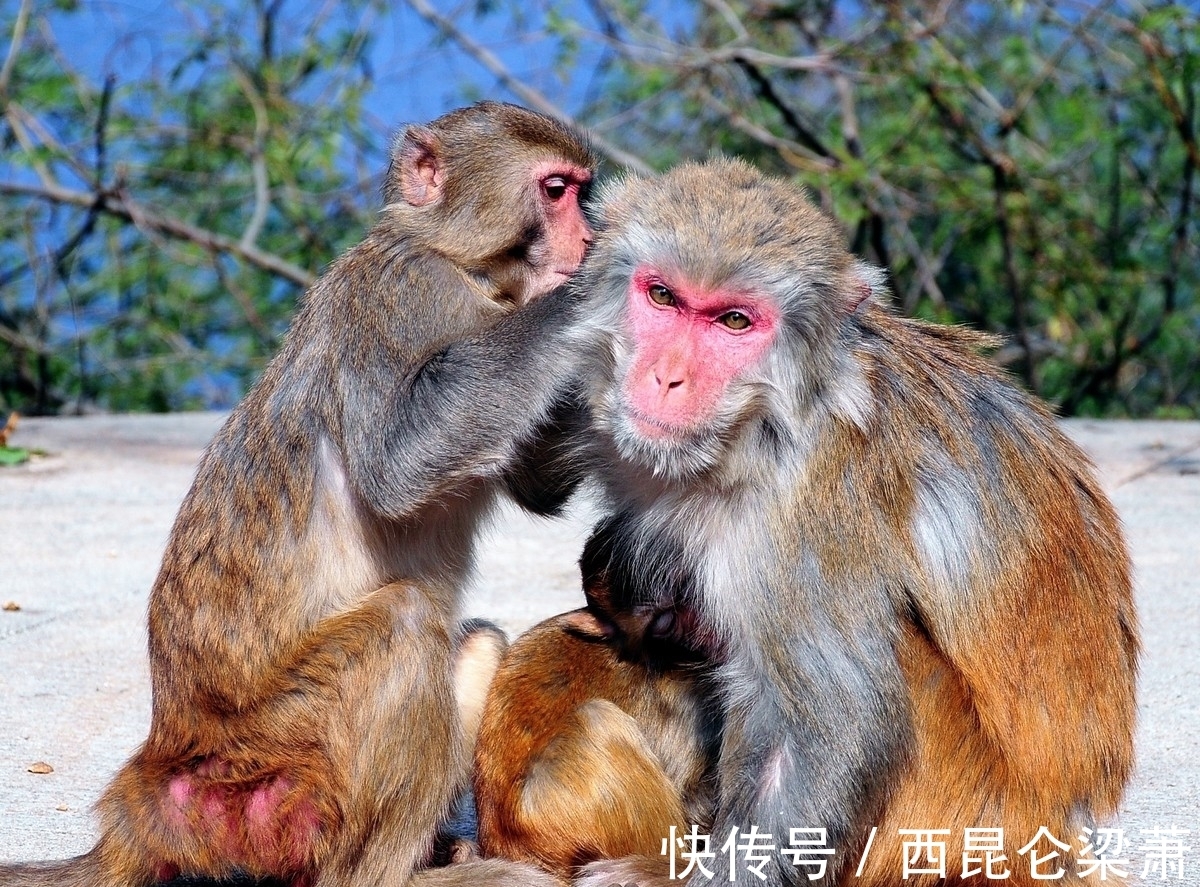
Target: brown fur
<point>585,753</point>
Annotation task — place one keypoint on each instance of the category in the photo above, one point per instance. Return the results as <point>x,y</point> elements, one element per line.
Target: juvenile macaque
<point>920,596</point>
<point>303,624</point>
<point>595,739</point>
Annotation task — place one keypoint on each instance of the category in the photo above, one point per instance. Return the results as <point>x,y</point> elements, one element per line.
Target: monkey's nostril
<point>669,384</point>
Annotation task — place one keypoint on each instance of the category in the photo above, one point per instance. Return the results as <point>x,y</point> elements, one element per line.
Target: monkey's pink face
<point>566,233</point>
<point>689,344</point>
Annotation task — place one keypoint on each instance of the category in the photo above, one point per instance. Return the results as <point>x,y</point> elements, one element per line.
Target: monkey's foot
<point>642,871</point>
<point>485,873</point>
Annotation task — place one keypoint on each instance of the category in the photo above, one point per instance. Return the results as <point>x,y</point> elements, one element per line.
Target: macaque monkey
<point>303,624</point>
<point>595,737</point>
<point>919,593</point>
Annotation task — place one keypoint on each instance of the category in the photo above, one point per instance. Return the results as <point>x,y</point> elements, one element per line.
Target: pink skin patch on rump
<point>263,803</point>
<point>262,825</point>
<point>687,352</point>
<point>180,791</point>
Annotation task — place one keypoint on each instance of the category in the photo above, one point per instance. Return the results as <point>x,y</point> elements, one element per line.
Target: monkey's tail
<point>79,871</point>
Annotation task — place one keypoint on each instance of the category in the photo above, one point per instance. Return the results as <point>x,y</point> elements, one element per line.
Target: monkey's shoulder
<point>884,334</point>
<point>933,373</point>
<point>389,288</point>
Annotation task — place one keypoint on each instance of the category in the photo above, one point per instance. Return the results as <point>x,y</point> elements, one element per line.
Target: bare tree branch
<point>796,154</point>
<point>13,113</point>
<point>14,46</point>
<point>688,58</point>
<point>974,83</point>
<point>123,207</point>
<point>766,91</point>
<point>820,62</point>
<point>526,93</point>
<point>14,338</point>
<point>1009,119</point>
<point>258,163</point>
<point>726,12</point>
<point>1183,123</point>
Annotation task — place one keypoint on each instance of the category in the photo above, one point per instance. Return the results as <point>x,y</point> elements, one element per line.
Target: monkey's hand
<point>552,461</point>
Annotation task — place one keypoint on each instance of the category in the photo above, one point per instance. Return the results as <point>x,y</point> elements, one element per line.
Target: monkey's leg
<point>397,738</point>
<point>487,873</point>
<point>257,790</point>
<point>960,779</point>
<point>644,871</point>
<point>394,737</point>
<point>480,648</point>
<point>342,770</point>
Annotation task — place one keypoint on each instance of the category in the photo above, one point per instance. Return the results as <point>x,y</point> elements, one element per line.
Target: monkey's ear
<point>585,624</point>
<point>421,169</point>
<point>864,282</point>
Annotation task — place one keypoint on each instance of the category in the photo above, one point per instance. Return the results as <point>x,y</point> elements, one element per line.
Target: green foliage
<point>1026,168</point>
<point>13,456</point>
<point>246,123</point>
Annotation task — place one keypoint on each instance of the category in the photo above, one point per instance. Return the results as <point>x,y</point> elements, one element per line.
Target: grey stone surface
<point>82,529</point>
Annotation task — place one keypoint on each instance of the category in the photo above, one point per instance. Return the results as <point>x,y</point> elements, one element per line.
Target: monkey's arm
<point>551,463</point>
<point>803,745</point>
<point>460,414</point>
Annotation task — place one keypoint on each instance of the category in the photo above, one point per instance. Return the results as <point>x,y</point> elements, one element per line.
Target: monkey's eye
<point>734,320</point>
<point>660,295</point>
<point>554,187</point>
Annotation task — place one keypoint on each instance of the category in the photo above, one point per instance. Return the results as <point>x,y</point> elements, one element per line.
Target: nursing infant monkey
<point>597,733</point>
<point>303,636</point>
<point>913,595</point>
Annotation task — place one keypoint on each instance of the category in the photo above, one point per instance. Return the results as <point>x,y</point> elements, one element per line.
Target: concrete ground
<point>82,530</point>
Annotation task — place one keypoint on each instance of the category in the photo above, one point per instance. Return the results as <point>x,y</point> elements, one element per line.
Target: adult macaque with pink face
<point>913,592</point>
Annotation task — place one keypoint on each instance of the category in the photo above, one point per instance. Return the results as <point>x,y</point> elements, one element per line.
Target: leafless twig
<point>522,90</point>
<point>123,207</point>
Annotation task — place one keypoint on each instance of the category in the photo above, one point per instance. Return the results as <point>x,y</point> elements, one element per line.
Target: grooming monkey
<point>595,737</point>
<point>919,595</point>
<point>302,628</point>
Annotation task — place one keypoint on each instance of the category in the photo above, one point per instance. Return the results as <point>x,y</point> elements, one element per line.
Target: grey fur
<point>782,513</point>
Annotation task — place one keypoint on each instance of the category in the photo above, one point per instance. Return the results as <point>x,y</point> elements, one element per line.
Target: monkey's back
<point>1020,640</point>
<point>581,755</point>
<point>274,518</point>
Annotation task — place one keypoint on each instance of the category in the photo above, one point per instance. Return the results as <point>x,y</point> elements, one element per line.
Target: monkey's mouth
<point>656,429</point>
<point>669,450</point>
